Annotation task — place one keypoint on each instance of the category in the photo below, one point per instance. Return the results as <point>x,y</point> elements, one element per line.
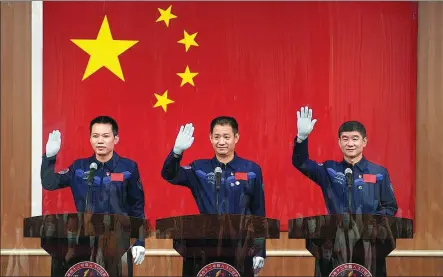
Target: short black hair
<point>104,119</point>
<point>351,126</point>
<point>225,120</point>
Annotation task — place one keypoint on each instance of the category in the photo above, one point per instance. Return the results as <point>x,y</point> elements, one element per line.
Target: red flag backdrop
<point>259,62</point>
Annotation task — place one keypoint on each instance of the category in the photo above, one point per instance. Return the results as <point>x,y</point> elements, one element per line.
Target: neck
<point>104,158</point>
<point>225,158</point>
<point>353,160</point>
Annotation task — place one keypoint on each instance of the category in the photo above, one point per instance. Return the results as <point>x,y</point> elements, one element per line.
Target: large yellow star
<point>187,76</point>
<point>166,15</point>
<point>162,100</point>
<point>104,51</point>
<point>188,40</point>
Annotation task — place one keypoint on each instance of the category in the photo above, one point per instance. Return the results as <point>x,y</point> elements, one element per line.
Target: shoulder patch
<point>64,171</point>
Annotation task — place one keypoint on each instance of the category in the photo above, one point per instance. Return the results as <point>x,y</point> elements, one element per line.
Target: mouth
<point>101,148</point>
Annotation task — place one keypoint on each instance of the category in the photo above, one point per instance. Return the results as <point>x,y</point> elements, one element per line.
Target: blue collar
<point>111,164</point>
<point>232,164</point>
<point>361,164</point>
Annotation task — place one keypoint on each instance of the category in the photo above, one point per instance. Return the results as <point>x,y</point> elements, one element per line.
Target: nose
<point>350,143</point>
<point>221,141</point>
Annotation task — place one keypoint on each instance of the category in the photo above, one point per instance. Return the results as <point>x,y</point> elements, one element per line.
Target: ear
<point>210,137</point>
<point>116,139</point>
<point>365,141</point>
<point>236,137</point>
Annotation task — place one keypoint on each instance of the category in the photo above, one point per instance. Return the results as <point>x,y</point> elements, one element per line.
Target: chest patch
<point>210,178</point>
<point>338,177</point>
<point>241,176</point>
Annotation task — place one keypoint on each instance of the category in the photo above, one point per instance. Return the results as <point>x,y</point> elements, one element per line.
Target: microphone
<point>350,181</point>
<point>92,169</point>
<point>218,174</point>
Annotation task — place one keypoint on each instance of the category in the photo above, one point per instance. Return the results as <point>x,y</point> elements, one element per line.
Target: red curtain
<point>259,62</point>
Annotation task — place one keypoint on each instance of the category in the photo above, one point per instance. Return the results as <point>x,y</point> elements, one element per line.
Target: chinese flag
<point>369,178</point>
<point>154,66</point>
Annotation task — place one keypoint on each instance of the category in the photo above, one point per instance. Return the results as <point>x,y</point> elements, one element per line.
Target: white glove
<point>184,139</point>
<point>305,124</point>
<point>53,144</point>
<point>258,263</point>
<point>138,253</point>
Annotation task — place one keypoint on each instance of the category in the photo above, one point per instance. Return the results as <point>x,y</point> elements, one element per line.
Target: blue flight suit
<point>372,192</point>
<point>116,186</point>
<point>241,188</point>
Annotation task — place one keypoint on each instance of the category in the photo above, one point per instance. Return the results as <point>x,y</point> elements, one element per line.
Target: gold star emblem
<point>188,40</point>
<point>104,51</point>
<point>166,15</point>
<point>162,100</point>
<point>187,76</point>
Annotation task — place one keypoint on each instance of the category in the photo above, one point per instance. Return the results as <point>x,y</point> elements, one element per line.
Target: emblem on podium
<point>86,269</point>
<point>218,269</point>
<point>350,270</point>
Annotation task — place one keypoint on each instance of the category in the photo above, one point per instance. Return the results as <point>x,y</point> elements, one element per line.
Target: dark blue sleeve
<point>136,199</point>
<point>176,174</point>
<point>388,204</point>
<point>258,208</point>
<point>52,180</point>
<point>310,168</point>
<point>258,198</point>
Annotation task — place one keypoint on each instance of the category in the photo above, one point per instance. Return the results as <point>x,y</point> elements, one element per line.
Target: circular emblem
<point>218,269</point>
<point>86,269</point>
<point>350,270</point>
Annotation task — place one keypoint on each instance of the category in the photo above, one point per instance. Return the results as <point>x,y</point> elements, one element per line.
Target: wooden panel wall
<point>16,158</point>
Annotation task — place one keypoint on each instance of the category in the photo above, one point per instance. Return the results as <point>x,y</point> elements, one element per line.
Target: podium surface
<point>210,238</point>
<point>76,238</point>
<point>346,244</point>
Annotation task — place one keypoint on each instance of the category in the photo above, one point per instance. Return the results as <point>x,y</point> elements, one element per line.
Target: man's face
<point>351,144</point>
<point>223,139</point>
<point>102,139</point>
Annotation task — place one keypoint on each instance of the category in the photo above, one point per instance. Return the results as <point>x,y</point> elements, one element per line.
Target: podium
<point>225,242</point>
<point>350,244</point>
<point>87,244</point>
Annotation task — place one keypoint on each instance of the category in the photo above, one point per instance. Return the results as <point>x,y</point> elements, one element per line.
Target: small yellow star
<point>188,40</point>
<point>166,15</point>
<point>187,76</point>
<point>162,100</point>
